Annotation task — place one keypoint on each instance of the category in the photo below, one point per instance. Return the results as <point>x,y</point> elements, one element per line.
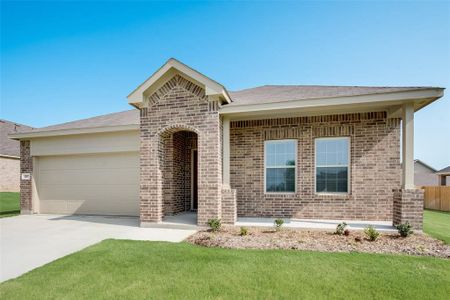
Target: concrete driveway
<point>30,241</point>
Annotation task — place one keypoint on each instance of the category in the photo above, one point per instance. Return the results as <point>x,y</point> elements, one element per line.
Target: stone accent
<point>179,105</point>
<point>374,166</point>
<point>26,166</point>
<point>229,208</point>
<point>408,207</point>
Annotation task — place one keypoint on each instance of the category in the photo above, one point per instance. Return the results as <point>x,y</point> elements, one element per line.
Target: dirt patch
<point>263,238</point>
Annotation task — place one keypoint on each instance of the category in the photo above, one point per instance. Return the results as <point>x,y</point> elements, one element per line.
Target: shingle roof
<point>263,94</point>
<point>128,117</point>
<point>281,93</point>
<point>444,171</point>
<point>8,146</point>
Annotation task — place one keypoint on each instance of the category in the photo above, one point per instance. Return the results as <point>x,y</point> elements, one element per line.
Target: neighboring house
<point>444,176</point>
<point>323,152</point>
<point>10,156</point>
<point>424,175</point>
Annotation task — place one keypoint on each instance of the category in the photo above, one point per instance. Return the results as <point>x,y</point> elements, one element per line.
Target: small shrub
<point>404,229</point>
<point>215,224</point>
<point>358,239</point>
<point>278,223</point>
<point>346,232</point>
<point>371,233</point>
<point>340,228</point>
<point>244,231</point>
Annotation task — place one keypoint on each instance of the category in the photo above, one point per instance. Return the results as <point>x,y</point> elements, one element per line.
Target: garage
<point>106,184</point>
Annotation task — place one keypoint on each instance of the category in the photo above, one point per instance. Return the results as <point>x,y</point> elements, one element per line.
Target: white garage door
<point>106,184</point>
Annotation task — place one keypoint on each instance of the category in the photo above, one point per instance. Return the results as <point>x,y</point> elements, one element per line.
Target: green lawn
<point>9,204</point>
<point>437,224</point>
<point>122,269</point>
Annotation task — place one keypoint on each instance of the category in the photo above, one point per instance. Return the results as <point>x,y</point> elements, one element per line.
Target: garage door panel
<point>88,176</point>
<point>89,184</point>
<point>89,161</point>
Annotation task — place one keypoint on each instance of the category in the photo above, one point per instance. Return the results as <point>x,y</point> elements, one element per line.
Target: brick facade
<point>179,117</point>
<point>26,166</point>
<point>179,105</point>
<point>408,207</point>
<point>374,171</point>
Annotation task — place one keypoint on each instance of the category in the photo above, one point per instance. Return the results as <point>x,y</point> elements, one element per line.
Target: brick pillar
<point>26,166</point>
<point>408,207</point>
<point>229,207</point>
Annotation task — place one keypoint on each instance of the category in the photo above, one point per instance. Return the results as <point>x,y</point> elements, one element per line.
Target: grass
<point>9,204</point>
<point>157,270</point>
<point>437,224</point>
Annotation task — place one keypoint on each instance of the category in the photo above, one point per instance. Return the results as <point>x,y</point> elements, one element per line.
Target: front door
<point>194,180</point>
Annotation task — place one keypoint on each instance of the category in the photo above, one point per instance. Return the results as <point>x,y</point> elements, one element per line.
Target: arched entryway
<point>179,171</point>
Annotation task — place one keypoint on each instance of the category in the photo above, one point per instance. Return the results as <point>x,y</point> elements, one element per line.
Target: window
<point>280,159</point>
<point>332,165</point>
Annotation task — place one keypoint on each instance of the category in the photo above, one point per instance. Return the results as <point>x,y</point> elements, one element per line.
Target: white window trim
<point>349,163</point>
<point>295,167</point>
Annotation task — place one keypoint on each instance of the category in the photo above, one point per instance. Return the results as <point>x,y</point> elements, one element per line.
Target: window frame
<point>287,167</point>
<point>348,165</point>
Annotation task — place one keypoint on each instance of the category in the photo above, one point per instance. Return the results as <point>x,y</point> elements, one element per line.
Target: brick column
<point>26,166</point>
<point>408,207</point>
<point>229,207</point>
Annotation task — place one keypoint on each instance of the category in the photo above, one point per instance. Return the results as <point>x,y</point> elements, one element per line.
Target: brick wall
<point>10,174</point>
<point>26,166</point>
<point>408,207</point>
<point>375,166</point>
<point>179,105</point>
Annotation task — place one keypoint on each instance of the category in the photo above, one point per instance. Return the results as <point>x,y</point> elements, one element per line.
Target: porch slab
<point>385,226</point>
<point>184,220</point>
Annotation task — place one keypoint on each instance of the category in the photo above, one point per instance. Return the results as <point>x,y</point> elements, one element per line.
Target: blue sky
<point>62,61</point>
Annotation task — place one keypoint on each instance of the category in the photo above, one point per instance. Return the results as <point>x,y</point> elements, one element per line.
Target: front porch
<point>188,220</point>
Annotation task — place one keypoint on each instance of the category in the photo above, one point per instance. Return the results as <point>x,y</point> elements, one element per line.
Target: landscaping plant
<point>371,233</point>
<point>278,223</point>
<point>244,231</point>
<point>404,229</point>
<point>340,228</point>
<point>214,224</point>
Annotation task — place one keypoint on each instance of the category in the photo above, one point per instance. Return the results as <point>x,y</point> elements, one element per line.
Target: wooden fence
<point>437,197</point>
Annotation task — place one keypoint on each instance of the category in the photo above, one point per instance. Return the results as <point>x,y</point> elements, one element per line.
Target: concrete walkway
<point>30,241</point>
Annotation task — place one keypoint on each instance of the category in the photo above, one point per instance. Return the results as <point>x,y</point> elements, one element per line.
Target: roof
<point>445,170</point>
<point>8,146</point>
<point>128,117</point>
<point>257,95</point>
<point>282,93</point>
<point>424,164</point>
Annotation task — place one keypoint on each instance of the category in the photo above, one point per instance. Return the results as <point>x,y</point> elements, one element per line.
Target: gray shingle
<point>262,94</point>
<point>281,93</point>
<point>8,146</point>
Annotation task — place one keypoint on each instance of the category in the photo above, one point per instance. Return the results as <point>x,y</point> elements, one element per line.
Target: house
<point>189,144</point>
<point>10,156</point>
<point>424,175</point>
<point>444,176</point>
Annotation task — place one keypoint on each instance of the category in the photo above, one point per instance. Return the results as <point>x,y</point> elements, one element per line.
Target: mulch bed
<point>295,239</point>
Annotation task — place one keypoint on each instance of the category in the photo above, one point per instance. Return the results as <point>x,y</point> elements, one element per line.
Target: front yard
<point>9,204</point>
<point>156,270</point>
<point>437,224</point>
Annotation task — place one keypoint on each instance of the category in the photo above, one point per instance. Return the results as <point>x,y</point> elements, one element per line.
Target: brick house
<point>320,152</point>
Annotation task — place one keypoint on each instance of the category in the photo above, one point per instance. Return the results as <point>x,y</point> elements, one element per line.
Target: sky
<point>62,61</point>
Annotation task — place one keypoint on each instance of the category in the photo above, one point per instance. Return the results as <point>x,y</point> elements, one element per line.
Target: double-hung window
<point>332,165</point>
<point>280,160</point>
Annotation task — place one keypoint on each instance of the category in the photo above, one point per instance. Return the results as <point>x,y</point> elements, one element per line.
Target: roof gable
<point>171,68</point>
